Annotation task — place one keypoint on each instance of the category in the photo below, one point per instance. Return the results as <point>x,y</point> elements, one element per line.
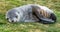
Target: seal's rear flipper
<point>50,20</point>
<point>47,21</point>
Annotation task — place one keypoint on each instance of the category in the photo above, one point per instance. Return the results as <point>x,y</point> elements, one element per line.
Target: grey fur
<point>24,13</point>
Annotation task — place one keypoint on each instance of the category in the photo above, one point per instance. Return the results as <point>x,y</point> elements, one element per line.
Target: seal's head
<point>12,15</point>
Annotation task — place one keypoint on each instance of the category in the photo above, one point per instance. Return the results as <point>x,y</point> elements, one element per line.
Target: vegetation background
<point>5,26</point>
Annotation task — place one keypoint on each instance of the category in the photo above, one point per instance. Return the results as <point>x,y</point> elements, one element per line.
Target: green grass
<point>5,26</point>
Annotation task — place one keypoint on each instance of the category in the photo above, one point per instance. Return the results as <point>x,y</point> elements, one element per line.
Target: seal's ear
<point>18,12</point>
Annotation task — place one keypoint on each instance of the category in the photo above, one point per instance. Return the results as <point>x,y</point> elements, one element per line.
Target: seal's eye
<point>16,16</point>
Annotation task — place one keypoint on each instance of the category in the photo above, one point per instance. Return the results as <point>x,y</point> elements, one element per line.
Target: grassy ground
<point>5,26</point>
